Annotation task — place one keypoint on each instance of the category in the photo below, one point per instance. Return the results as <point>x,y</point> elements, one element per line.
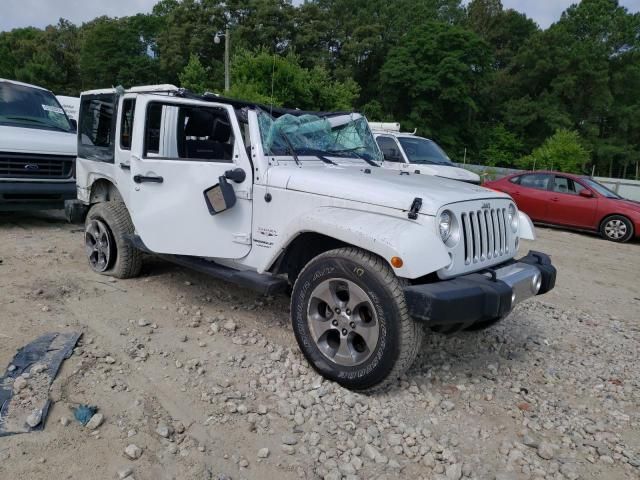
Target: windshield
<point>421,150</point>
<point>342,136</point>
<point>601,189</point>
<point>22,106</point>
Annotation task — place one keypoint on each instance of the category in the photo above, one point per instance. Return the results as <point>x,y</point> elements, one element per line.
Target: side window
<point>126,122</point>
<point>536,180</point>
<point>566,185</point>
<point>188,133</point>
<point>96,127</point>
<point>562,185</point>
<point>389,149</point>
<point>152,129</point>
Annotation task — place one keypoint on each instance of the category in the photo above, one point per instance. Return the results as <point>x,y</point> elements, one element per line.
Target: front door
<point>180,149</point>
<point>569,207</point>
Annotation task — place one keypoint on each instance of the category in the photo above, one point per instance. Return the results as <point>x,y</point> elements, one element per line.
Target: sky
<point>40,13</point>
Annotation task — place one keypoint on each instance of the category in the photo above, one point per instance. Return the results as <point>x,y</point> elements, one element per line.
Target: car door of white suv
<point>181,148</point>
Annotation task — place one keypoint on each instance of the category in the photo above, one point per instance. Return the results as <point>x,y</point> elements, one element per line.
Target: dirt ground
<point>203,377</point>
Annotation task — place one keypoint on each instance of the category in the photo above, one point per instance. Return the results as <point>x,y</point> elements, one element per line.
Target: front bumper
<point>482,296</point>
<point>38,195</point>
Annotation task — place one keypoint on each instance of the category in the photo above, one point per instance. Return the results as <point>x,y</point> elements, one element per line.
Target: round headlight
<point>444,225</point>
<point>514,219</point>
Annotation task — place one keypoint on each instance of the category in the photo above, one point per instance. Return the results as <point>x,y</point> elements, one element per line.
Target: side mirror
<point>220,197</point>
<point>586,193</point>
<point>74,124</point>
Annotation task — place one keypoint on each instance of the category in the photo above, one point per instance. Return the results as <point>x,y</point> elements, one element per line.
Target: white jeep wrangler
<point>271,199</point>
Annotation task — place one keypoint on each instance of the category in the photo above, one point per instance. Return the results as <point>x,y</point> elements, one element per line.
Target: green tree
<point>269,78</point>
<point>563,152</point>
<point>567,77</point>
<point>502,148</point>
<point>433,80</point>
<point>194,76</point>
<point>113,52</point>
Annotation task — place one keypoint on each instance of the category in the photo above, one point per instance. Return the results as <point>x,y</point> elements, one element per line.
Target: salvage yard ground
<point>207,381</point>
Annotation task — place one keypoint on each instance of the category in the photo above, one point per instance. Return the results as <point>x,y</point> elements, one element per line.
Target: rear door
<point>569,207</point>
<point>532,195</point>
<point>180,149</point>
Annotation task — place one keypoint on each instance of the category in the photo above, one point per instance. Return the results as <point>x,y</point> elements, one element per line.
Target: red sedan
<point>573,201</point>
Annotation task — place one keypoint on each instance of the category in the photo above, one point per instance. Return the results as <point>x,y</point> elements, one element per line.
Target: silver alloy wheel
<point>615,229</point>
<point>343,322</point>
<point>98,245</point>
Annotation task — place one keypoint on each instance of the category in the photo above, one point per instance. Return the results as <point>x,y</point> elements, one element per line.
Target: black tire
<point>616,228</point>
<point>124,261</point>
<point>399,337</point>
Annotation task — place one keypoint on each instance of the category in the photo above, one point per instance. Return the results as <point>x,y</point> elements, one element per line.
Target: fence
<point>625,188</point>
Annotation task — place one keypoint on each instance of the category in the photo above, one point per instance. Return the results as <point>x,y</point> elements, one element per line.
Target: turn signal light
<point>397,262</point>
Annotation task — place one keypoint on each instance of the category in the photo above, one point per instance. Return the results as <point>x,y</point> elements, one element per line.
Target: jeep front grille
<point>33,166</point>
<point>484,233</point>
<point>484,237</point>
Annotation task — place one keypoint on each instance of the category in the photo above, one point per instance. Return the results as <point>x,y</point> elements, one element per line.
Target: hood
<point>630,204</point>
<point>381,187</point>
<point>446,171</point>
<point>37,140</point>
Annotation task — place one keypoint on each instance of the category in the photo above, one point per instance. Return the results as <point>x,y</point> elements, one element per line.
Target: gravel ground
<point>197,379</point>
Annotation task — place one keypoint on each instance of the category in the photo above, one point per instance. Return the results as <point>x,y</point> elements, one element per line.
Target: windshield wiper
<point>320,154</point>
<point>291,149</point>
<point>369,161</point>
<point>35,120</point>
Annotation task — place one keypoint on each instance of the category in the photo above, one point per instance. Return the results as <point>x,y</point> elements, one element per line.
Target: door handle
<point>554,199</point>
<point>150,179</point>
<point>125,166</point>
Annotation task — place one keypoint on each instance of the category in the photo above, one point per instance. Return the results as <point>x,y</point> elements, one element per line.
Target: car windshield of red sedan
<point>601,189</point>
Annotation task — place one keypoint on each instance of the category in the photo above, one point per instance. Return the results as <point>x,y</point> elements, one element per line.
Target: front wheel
<point>616,228</point>
<point>350,319</point>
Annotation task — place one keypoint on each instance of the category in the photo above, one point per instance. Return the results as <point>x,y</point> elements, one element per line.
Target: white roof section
<point>389,128</point>
<point>166,87</point>
<point>385,126</point>
<point>15,82</point>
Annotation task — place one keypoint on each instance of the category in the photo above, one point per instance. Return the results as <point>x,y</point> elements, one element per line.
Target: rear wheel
<point>616,228</point>
<point>350,319</point>
<point>108,249</point>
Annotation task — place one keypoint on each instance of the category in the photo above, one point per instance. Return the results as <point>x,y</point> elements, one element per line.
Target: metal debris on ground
<point>24,388</point>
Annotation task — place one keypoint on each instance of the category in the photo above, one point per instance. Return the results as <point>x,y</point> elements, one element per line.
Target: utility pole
<point>227,46</point>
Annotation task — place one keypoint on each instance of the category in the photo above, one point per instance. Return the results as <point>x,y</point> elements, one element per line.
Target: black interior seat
<point>222,134</point>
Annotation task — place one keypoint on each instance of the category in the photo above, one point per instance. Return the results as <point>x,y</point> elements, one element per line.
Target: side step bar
<point>264,283</point>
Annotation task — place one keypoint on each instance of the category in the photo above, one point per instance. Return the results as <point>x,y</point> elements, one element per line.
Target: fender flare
<point>526,229</point>
<point>416,244</point>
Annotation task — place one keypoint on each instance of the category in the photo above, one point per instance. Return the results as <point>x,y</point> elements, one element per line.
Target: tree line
<point>483,81</point>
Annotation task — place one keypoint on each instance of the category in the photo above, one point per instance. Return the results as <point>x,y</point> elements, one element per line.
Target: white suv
<point>273,199</point>
<point>410,153</point>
